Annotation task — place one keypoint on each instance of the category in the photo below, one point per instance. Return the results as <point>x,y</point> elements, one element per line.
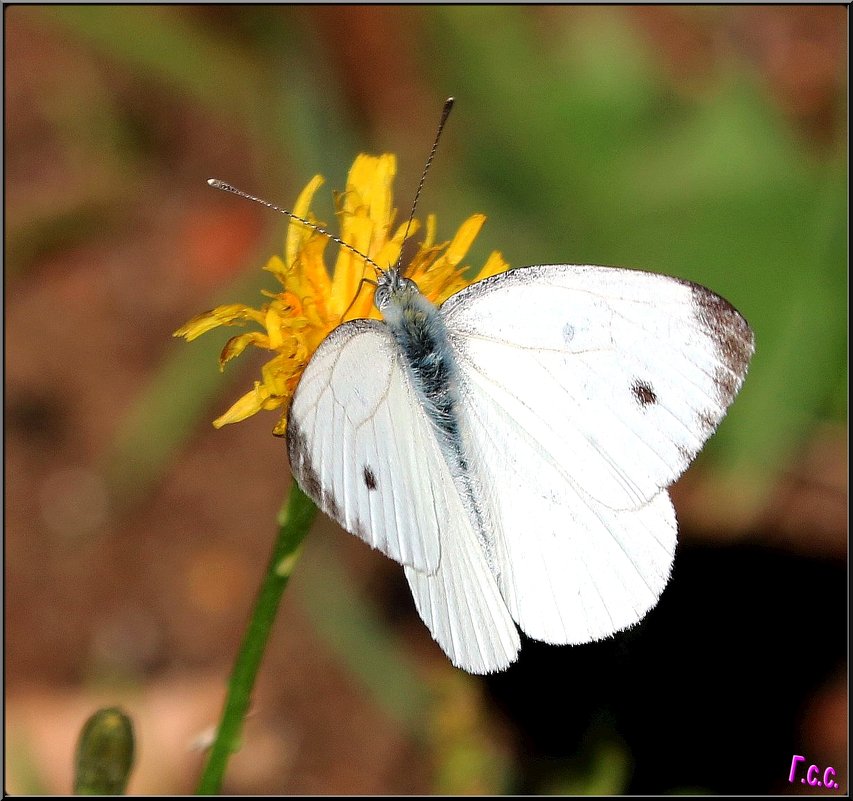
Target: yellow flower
<point>312,302</point>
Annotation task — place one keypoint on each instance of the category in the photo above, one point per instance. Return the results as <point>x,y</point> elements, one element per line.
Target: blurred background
<point>703,142</point>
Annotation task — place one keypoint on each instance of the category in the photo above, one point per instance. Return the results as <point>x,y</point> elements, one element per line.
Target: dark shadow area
<point>707,693</point>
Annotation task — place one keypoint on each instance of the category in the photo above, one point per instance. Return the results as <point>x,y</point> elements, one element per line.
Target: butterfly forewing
<point>361,447</point>
<point>619,375</point>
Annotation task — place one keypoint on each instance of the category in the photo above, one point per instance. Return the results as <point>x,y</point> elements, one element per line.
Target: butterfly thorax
<point>420,332</point>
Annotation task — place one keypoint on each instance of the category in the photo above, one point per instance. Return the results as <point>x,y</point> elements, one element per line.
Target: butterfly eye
<point>381,296</point>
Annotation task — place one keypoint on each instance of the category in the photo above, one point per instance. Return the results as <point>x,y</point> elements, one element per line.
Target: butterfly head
<point>393,287</point>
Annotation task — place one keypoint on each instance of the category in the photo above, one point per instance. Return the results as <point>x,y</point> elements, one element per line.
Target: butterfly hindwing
<point>462,605</point>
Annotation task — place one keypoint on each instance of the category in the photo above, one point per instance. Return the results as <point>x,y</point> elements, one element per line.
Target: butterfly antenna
<point>445,113</point>
<point>217,184</point>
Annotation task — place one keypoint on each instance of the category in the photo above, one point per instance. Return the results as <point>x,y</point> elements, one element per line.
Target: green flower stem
<point>294,520</point>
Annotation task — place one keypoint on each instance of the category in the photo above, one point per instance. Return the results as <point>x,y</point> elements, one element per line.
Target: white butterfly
<point>512,448</point>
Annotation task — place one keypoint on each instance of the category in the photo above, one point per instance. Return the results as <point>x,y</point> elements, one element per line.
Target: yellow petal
<point>361,306</point>
<point>380,199</point>
<point>277,267</point>
<point>310,279</point>
<point>278,374</point>
<point>465,236</point>
<point>430,231</point>
<point>297,233</point>
<point>368,196</point>
<point>390,253</point>
<point>349,268</point>
<point>273,325</point>
<point>231,314</point>
<point>401,230</point>
<point>236,345</point>
<point>369,187</point>
<point>251,403</point>
<point>280,428</point>
<point>495,265</point>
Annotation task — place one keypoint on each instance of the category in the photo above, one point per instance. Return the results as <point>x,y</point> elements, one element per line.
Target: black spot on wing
<point>369,478</point>
<point>643,393</point>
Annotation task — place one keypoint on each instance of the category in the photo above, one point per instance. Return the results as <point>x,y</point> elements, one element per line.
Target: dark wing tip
<point>728,328</point>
